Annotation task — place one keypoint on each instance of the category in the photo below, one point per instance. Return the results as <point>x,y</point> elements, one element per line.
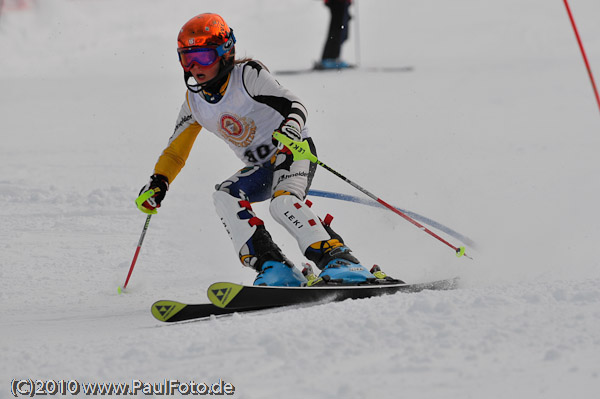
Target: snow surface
<point>495,134</point>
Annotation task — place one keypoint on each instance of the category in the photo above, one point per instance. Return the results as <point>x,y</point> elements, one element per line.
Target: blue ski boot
<point>338,265</point>
<point>331,63</point>
<point>279,274</point>
<point>345,269</point>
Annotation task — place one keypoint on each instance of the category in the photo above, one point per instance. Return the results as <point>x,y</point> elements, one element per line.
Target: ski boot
<point>346,272</point>
<point>331,63</point>
<point>338,265</point>
<point>274,273</point>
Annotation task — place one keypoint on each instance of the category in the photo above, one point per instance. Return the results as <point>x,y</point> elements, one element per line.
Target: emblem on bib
<point>237,130</point>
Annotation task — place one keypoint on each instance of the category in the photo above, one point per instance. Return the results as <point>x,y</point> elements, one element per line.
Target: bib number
<point>259,154</point>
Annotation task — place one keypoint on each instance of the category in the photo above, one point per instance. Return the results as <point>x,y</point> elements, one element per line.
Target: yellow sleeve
<point>173,158</point>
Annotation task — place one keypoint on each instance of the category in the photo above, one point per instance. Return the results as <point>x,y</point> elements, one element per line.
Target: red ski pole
<point>585,60</point>
<point>137,252</point>
<point>301,151</point>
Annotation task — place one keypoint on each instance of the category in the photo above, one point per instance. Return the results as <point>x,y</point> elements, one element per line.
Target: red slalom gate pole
<point>585,60</point>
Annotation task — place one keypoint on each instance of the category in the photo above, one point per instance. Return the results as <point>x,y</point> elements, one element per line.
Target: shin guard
<point>251,241</point>
<point>299,220</point>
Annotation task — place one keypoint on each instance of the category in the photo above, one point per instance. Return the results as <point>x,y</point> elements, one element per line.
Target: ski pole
<point>300,150</point>
<point>137,252</point>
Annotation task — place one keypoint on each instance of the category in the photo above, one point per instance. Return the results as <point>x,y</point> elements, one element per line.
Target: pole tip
<point>461,252</point>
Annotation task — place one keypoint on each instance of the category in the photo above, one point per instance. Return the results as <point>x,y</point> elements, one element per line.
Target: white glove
<point>291,129</point>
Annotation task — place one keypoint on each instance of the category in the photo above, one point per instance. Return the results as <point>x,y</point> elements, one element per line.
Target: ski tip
<point>119,290</point>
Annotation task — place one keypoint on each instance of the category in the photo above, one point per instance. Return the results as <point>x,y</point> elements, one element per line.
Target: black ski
<point>228,298</point>
<point>237,296</point>
<point>173,311</point>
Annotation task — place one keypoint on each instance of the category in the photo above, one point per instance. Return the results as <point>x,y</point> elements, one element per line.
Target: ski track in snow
<point>495,134</point>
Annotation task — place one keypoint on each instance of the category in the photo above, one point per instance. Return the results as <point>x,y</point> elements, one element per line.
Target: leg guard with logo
<point>299,220</point>
<point>251,241</point>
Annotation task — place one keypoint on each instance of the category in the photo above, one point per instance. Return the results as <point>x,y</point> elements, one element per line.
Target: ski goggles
<point>204,56</point>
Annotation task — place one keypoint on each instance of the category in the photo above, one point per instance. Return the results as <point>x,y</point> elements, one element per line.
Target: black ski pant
<point>338,29</point>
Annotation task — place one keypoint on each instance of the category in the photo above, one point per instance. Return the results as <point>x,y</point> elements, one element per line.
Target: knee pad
<point>292,176</point>
<point>299,220</point>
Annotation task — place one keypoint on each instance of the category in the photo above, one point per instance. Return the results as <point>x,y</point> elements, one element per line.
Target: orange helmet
<point>206,39</point>
<point>204,30</point>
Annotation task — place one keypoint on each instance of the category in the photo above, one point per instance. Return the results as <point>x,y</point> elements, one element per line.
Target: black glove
<point>148,200</point>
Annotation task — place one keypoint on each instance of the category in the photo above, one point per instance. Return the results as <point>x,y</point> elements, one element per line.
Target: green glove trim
<point>299,149</point>
<point>143,198</point>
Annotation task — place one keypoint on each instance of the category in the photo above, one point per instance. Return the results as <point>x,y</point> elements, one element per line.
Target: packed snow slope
<point>495,134</point>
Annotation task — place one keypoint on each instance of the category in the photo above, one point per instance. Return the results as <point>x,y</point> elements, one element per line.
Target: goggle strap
<point>226,47</point>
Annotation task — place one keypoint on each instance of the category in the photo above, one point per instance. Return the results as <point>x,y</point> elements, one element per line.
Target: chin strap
<point>187,78</point>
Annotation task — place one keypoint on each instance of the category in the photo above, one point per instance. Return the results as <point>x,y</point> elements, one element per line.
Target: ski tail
<point>167,310</point>
<point>221,294</point>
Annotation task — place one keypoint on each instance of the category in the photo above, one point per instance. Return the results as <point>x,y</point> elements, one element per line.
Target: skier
<point>337,34</point>
<point>241,103</point>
